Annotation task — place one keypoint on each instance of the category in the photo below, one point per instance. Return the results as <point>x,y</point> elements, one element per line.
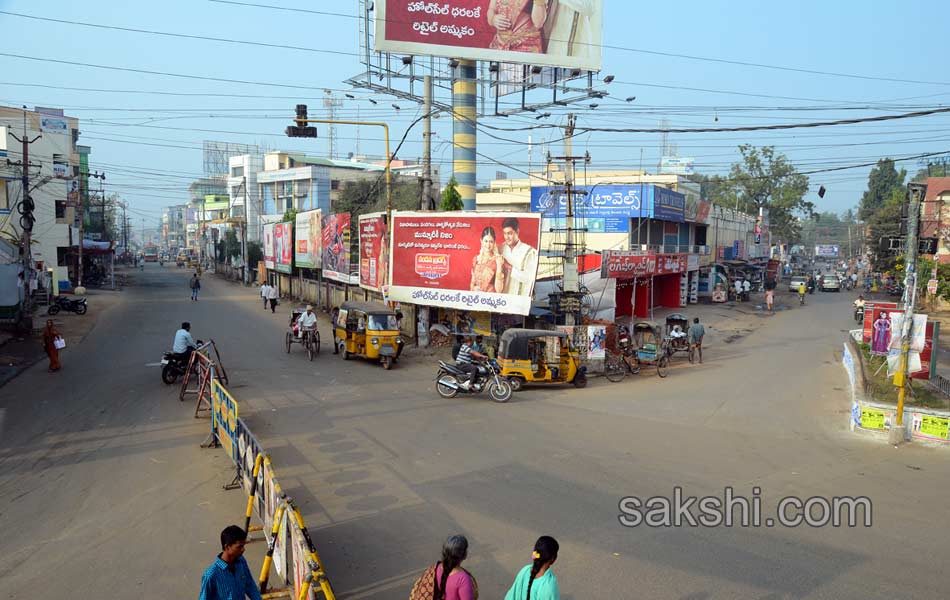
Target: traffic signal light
<point>301,129</point>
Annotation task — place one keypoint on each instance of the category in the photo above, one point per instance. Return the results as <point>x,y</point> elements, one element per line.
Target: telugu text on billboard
<point>553,33</point>
<point>309,239</point>
<point>336,248</point>
<point>482,262</point>
<point>284,247</point>
<point>609,208</point>
<point>374,252</point>
<point>826,250</point>
<point>269,245</point>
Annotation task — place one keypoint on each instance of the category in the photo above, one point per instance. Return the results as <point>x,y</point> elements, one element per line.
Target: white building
<point>244,193</point>
<point>54,175</point>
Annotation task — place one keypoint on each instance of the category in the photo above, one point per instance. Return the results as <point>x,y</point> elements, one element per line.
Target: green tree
<point>290,215</point>
<point>228,246</point>
<point>883,224</point>
<point>451,198</point>
<point>254,254</point>
<point>369,195</point>
<point>766,179</point>
<point>882,181</point>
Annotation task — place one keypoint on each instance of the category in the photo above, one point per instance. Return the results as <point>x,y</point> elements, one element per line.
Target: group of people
<point>742,288</point>
<point>270,295</point>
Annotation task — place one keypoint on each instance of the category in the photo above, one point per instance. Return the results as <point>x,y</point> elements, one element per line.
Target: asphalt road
<point>104,491</point>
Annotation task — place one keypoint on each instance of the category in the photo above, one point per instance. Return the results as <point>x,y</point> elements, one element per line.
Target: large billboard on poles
<point>336,248</point>
<point>484,262</point>
<point>374,251</point>
<point>565,33</point>
<point>284,247</point>
<point>308,243</point>
<point>269,245</point>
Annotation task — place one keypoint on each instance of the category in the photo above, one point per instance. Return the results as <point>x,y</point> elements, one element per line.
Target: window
<point>60,209</point>
<point>4,199</point>
<point>237,171</point>
<point>334,184</point>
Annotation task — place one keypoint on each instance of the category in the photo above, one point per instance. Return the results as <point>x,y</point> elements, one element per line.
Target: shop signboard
<point>269,245</point>
<point>609,208</point>
<point>483,262</point>
<point>374,251</point>
<point>670,263</point>
<point>336,248</point>
<point>826,250</point>
<point>627,265</point>
<point>930,427</point>
<point>284,247</point>
<point>668,205</point>
<point>493,30</point>
<point>309,239</point>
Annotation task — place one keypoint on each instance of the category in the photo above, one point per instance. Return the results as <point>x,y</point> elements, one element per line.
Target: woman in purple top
<point>452,582</point>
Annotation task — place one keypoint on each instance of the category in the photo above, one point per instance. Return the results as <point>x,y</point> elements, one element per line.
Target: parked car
<point>796,281</point>
<point>830,283</point>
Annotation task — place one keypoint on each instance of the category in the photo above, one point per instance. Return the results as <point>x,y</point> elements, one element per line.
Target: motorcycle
<point>858,314</point>
<point>487,377</point>
<point>77,305</point>
<point>174,366</point>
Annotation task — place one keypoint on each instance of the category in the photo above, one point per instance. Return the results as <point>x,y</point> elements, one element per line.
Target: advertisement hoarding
<point>621,264</point>
<point>336,249</point>
<point>677,165</point>
<point>309,239</point>
<point>269,245</point>
<point>557,34</point>
<point>609,208</point>
<point>284,247</point>
<point>826,250</point>
<point>374,252</point>
<point>481,262</point>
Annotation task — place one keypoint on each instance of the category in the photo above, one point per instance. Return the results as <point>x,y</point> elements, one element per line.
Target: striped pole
<point>463,114</point>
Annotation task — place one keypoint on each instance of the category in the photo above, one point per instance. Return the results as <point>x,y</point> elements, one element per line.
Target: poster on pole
<point>309,239</point>
<point>269,245</point>
<point>374,251</point>
<point>557,34</point>
<point>284,247</point>
<point>336,248</point>
<point>473,261</point>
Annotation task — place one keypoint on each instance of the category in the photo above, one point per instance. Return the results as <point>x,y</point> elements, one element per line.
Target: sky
<point>146,130</point>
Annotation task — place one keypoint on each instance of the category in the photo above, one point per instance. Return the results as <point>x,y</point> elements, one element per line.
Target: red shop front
<point>645,281</point>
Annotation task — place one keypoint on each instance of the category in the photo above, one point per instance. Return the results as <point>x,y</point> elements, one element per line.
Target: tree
<point>254,254</point>
<point>882,181</point>
<point>451,198</point>
<point>369,195</point>
<point>290,216</point>
<point>882,224</point>
<point>228,246</point>
<point>766,179</point>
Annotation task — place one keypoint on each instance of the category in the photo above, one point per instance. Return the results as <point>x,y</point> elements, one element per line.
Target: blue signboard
<point>608,208</point>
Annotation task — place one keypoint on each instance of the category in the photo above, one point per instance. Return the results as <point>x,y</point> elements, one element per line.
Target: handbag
<point>59,343</point>
<point>424,587</point>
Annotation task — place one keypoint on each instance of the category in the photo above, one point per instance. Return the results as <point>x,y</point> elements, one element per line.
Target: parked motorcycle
<point>76,305</point>
<point>449,378</point>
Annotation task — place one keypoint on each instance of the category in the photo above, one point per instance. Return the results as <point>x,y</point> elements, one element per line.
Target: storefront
<point>647,281</point>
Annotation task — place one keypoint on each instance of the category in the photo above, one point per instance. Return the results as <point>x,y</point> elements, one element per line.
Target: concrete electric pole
<point>26,224</point>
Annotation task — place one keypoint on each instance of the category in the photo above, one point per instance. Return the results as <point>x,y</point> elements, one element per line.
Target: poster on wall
<point>284,247</point>
<point>597,346</point>
<point>931,427</point>
<point>374,251</point>
<point>309,239</point>
<point>557,34</point>
<point>336,248</point>
<point>483,262</point>
<point>269,245</point>
<point>461,322</point>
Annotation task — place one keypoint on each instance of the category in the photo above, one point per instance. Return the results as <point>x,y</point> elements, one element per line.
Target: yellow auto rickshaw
<point>539,356</point>
<point>369,330</point>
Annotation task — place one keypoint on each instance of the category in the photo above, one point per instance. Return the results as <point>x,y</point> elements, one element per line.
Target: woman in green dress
<point>537,581</point>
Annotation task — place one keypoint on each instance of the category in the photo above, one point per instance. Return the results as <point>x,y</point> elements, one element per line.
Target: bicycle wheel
<point>310,347</point>
<point>662,365</point>
<point>614,369</point>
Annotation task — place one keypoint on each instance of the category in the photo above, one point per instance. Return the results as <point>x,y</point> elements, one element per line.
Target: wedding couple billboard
<point>557,33</point>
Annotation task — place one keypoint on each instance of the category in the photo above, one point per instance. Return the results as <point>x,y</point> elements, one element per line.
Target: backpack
<point>424,587</point>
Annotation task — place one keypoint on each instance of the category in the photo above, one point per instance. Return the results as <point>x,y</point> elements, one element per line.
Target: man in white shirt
<point>264,289</point>
<point>738,287</point>
<point>273,294</point>
<point>307,320</point>
<point>521,260</point>
<point>746,288</point>
<point>184,344</point>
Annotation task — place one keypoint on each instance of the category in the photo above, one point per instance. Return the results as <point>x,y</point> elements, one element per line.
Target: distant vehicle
<point>150,253</point>
<point>797,280</point>
<point>830,283</point>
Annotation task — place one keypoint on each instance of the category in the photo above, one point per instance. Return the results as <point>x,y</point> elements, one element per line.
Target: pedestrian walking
<point>195,286</point>
<point>273,294</point>
<point>537,581</point>
<point>696,334</point>
<point>769,299</point>
<point>52,342</point>
<point>446,579</point>
<point>746,289</point>
<point>264,288</point>
<point>229,577</point>
<point>738,287</point>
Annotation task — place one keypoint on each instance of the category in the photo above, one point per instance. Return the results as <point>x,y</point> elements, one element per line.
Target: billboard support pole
<point>464,103</point>
<point>427,146</point>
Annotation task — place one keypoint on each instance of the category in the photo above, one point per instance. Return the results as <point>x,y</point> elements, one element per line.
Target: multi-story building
<point>54,172</point>
<point>935,215</point>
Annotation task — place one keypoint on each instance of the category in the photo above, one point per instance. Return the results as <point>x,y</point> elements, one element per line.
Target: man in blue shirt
<point>229,577</point>
<point>184,343</point>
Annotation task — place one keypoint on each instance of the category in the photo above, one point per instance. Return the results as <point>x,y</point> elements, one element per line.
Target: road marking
<point>158,364</point>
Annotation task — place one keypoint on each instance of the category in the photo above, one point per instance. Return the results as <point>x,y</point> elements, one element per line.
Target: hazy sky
<point>149,144</point>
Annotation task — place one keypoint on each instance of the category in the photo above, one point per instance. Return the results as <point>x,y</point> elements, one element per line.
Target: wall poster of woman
<point>881,338</point>
<point>517,24</point>
<point>488,266</point>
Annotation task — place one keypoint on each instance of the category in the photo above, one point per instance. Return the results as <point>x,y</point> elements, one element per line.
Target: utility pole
<point>26,223</point>
<point>915,195</point>
<point>244,231</point>
<point>427,146</point>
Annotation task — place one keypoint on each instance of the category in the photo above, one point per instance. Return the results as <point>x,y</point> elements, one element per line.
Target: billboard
<point>309,239</point>
<point>284,247</point>
<point>609,208</point>
<point>826,250</point>
<point>484,262</point>
<point>677,165</point>
<point>557,34</point>
<point>336,248</point>
<point>624,264</point>
<point>374,251</point>
<point>269,245</point>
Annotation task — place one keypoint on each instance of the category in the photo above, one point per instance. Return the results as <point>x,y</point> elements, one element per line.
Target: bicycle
<point>616,367</point>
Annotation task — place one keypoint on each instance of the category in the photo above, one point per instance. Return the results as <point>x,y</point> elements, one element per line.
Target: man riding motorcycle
<point>184,344</point>
<point>465,361</point>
